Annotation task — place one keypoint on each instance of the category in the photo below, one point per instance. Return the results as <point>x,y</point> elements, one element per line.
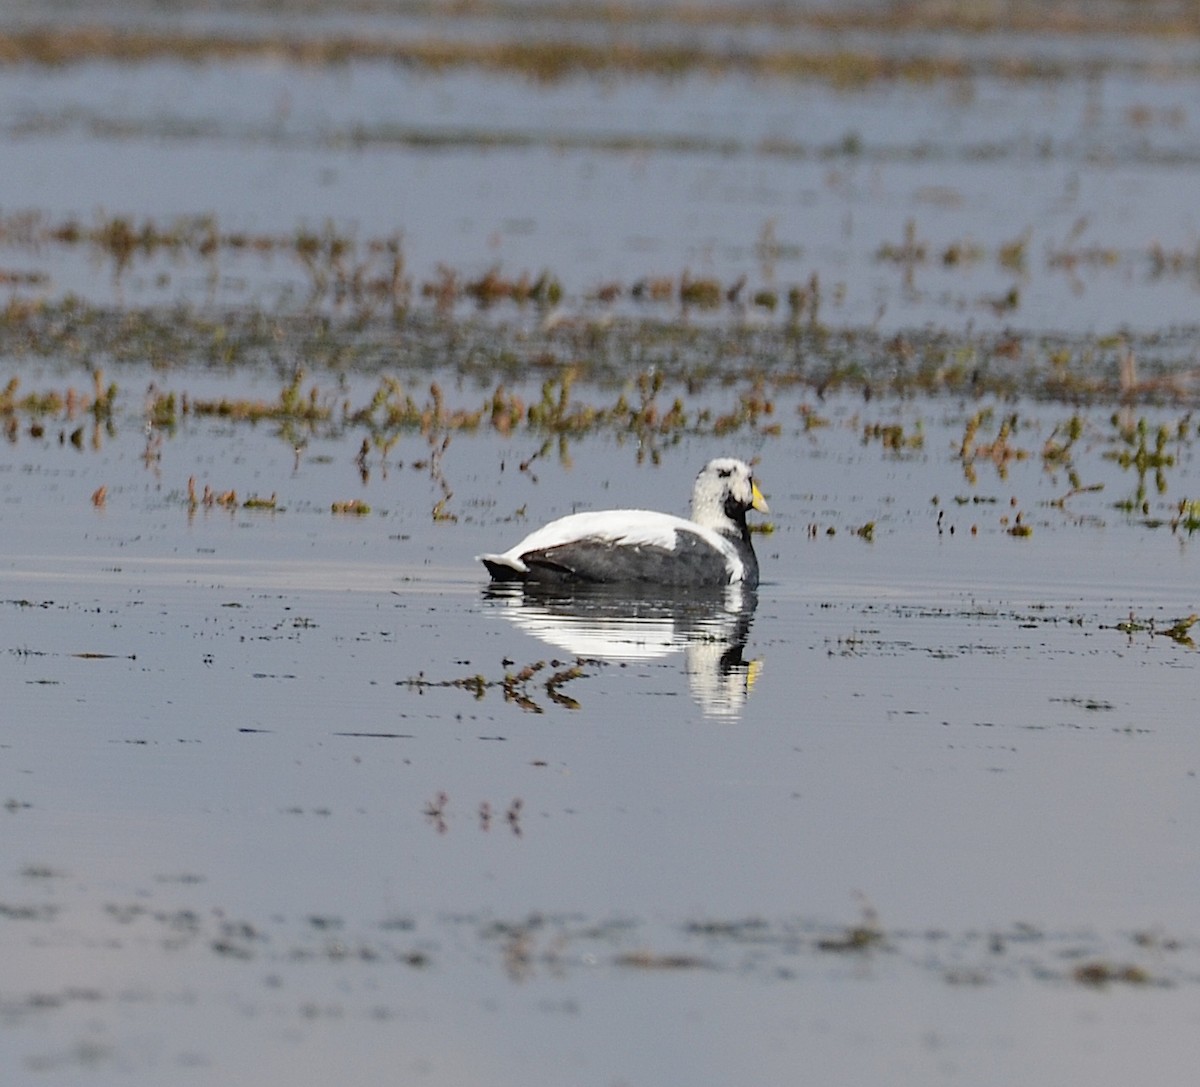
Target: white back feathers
<point>646,547</point>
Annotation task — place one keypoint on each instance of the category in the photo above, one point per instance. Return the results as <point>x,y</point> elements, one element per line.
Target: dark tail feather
<point>501,571</point>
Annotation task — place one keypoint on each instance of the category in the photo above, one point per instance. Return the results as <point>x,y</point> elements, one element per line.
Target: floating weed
<point>893,438</point>
<point>701,293</point>
<point>556,681</point>
<point>1179,631</point>
<point>691,354</point>
<point>70,403</point>
<point>514,686</point>
<point>1013,255</point>
<point>908,253</point>
<point>254,502</point>
<point>1058,447</point>
<point>513,815</point>
<point>864,936</point>
<point>855,938</point>
<point>653,960</point>
<point>292,405</point>
<point>210,498</point>
<point>1062,500</point>
<point>1092,704</point>
<point>1139,454</point>
<point>1144,452</point>
<point>493,287</point>
<point>163,411</point>
<point>958,253</point>
<point>1098,974</point>
<point>354,507</point>
<point>636,48</point>
<point>1000,451</point>
<point>1019,527</point>
<point>435,812</point>
<point>810,418</point>
<point>1188,516</point>
<point>1133,625</point>
<point>475,684</point>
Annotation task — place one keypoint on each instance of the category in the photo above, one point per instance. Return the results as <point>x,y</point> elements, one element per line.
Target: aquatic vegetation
<point>439,395</point>
<point>653,960</point>
<point>907,253</point>
<point>1056,452</point>
<point>893,438</point>
<point>861,937</point>
<point>701,293</point>
<point>1145,454</point>
<point>331,272</point>
<point>355,506</point>
<point>492,288</point>
<point>633,41</point>
<point>1000,450</point>
<point>1188,518</point>
<point>856,938</point>
<point>210,498</point>
<point>1140,456</point>
<point>292,405</point>
<point>1133,625</point>
<point>556,413</point>
<point>69,404</point>
<point>1013,255</point>
<point>1178,631</point>
<point>799,352</point>
<point>436,812</point>
<point>1098,974</point>
<point>514,686</point>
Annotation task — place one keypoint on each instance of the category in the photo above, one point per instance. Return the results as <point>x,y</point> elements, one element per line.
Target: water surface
<point>285,784</point>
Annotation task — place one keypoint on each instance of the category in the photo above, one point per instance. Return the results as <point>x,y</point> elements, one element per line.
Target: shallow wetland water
<point>291,793</point>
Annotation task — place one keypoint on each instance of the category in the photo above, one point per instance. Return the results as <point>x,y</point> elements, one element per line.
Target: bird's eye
<point>724,473</point>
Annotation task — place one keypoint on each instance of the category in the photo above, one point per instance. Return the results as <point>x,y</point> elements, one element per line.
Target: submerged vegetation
<point>605,351</point>
<point>514,686</point>
<point>332,272</point>
<point>648,405</point>
<point>246,467</point>
<point>845,46</point>
<point>362,345</point>
<point>648,410</point>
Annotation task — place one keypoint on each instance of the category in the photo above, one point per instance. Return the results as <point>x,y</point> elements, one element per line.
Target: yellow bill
<point>756,499</point>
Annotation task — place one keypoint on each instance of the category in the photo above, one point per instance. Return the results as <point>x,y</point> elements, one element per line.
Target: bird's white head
<point>725,489</point>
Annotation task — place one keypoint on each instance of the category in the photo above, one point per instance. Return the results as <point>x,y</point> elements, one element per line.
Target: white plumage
<point>643,546</point>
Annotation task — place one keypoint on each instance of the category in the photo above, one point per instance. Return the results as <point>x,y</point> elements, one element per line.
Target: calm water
<point>254,795</point>
<point>732,178</point>
<point>291,795</point>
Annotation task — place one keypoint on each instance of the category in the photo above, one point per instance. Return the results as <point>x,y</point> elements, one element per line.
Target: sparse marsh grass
<point>359,408</point>
<point>650,410</point>
<point>635,40</point>
<point>514,686</point>
<point>334,273</point>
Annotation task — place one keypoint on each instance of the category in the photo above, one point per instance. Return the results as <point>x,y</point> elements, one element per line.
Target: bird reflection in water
<point>608,623</point>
